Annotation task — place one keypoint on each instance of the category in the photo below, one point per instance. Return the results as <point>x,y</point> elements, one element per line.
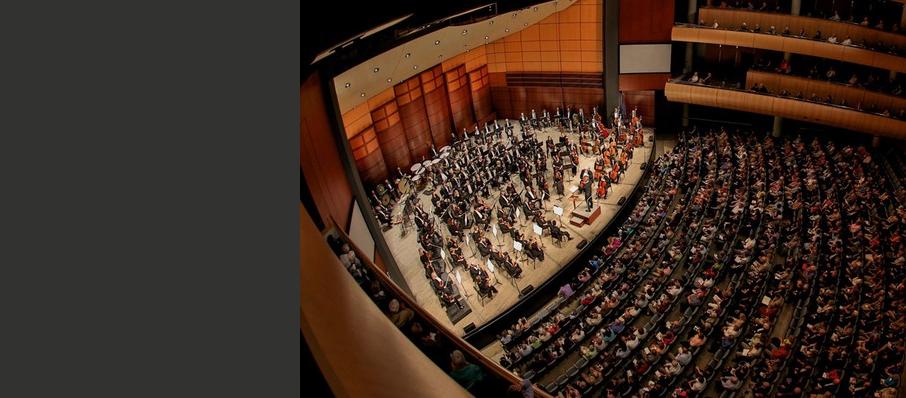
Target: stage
<point>405,246</point>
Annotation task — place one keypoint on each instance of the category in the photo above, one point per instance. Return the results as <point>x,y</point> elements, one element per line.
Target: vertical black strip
<point>611,55</point>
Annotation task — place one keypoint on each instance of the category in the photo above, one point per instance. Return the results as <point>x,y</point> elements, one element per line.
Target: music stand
<point>490,267</point>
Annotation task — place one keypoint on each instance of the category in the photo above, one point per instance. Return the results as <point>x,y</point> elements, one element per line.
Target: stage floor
<point>405,248</point>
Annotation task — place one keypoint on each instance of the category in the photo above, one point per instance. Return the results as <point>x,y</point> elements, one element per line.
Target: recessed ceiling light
<point>362,94</point>
<point>376,69</point>
<point>347,85</point>
<point>436,42</point>
<point>408,55</point>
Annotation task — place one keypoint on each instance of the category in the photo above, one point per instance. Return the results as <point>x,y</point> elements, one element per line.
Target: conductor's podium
<point>579,217</point>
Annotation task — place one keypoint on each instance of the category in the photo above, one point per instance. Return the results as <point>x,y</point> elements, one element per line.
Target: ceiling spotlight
<point>514,15</point>
<point>525,24</point>
<point>486,37</point>
<point>347,84</point>
<point>414,66</point>
<point>506,30</point>
<point>389,80</point>
<point>362,94</point>
<point>492,22</point>
<point>376,69</point>
<point>436,42</point>
<point>464,31</point>
<point>408,55</point>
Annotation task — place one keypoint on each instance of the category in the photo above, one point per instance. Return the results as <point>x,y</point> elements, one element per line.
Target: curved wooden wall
<point>320,158</point>
<point>391,136</point>
<point>437,106</point>
<point>858,33</point>
<point>853,95</point>
<point>786,107</point>
<point>479,84</point>
<point>460,99</point>
<point>790,44</point>
<point>411,105</point>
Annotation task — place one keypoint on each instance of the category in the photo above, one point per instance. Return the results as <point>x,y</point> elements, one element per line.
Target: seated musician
<point>484,247</point>
<point>602,188</point>
<point>444,291</point>
<point>383,215</point>
<point>558,181</point>
<point>557,232</point>
<point>511,267</point>
<point>453,247</point>
<point>535,250</point>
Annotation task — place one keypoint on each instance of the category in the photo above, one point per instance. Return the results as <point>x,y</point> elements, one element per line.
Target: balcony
<point>678,90</point>
<point>790,43</point>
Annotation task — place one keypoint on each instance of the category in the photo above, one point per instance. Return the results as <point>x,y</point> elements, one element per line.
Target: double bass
<point>602,188</point>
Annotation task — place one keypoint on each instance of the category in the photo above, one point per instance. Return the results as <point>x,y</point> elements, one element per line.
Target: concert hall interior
<point>605,198</point>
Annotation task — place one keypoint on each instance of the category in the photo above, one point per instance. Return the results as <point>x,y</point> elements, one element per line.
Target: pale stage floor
<point>405,249</point>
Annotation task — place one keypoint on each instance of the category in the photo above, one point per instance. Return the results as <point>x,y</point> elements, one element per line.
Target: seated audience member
<point>465,373</point>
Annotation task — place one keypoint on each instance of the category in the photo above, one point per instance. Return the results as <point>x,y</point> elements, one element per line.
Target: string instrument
<point>602,188</point>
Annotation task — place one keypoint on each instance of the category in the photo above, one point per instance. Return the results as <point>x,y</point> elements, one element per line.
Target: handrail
<point>694,33</point>
<point>471,352</point>
<point>852,94</point>
<point>788,107</point>
<point>796,22</point>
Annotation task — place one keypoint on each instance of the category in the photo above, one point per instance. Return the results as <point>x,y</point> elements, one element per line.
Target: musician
<point>602,187</point>
<point>511,268</point>
<point>534,250</point>
<point>545,191</point>
<point>557,232</point>
<point>585,187</point>
<point>444,291</point>
<point>383,215</point>
<point>484,246</point>
<point>558,181</point>
<point>480,277</point>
